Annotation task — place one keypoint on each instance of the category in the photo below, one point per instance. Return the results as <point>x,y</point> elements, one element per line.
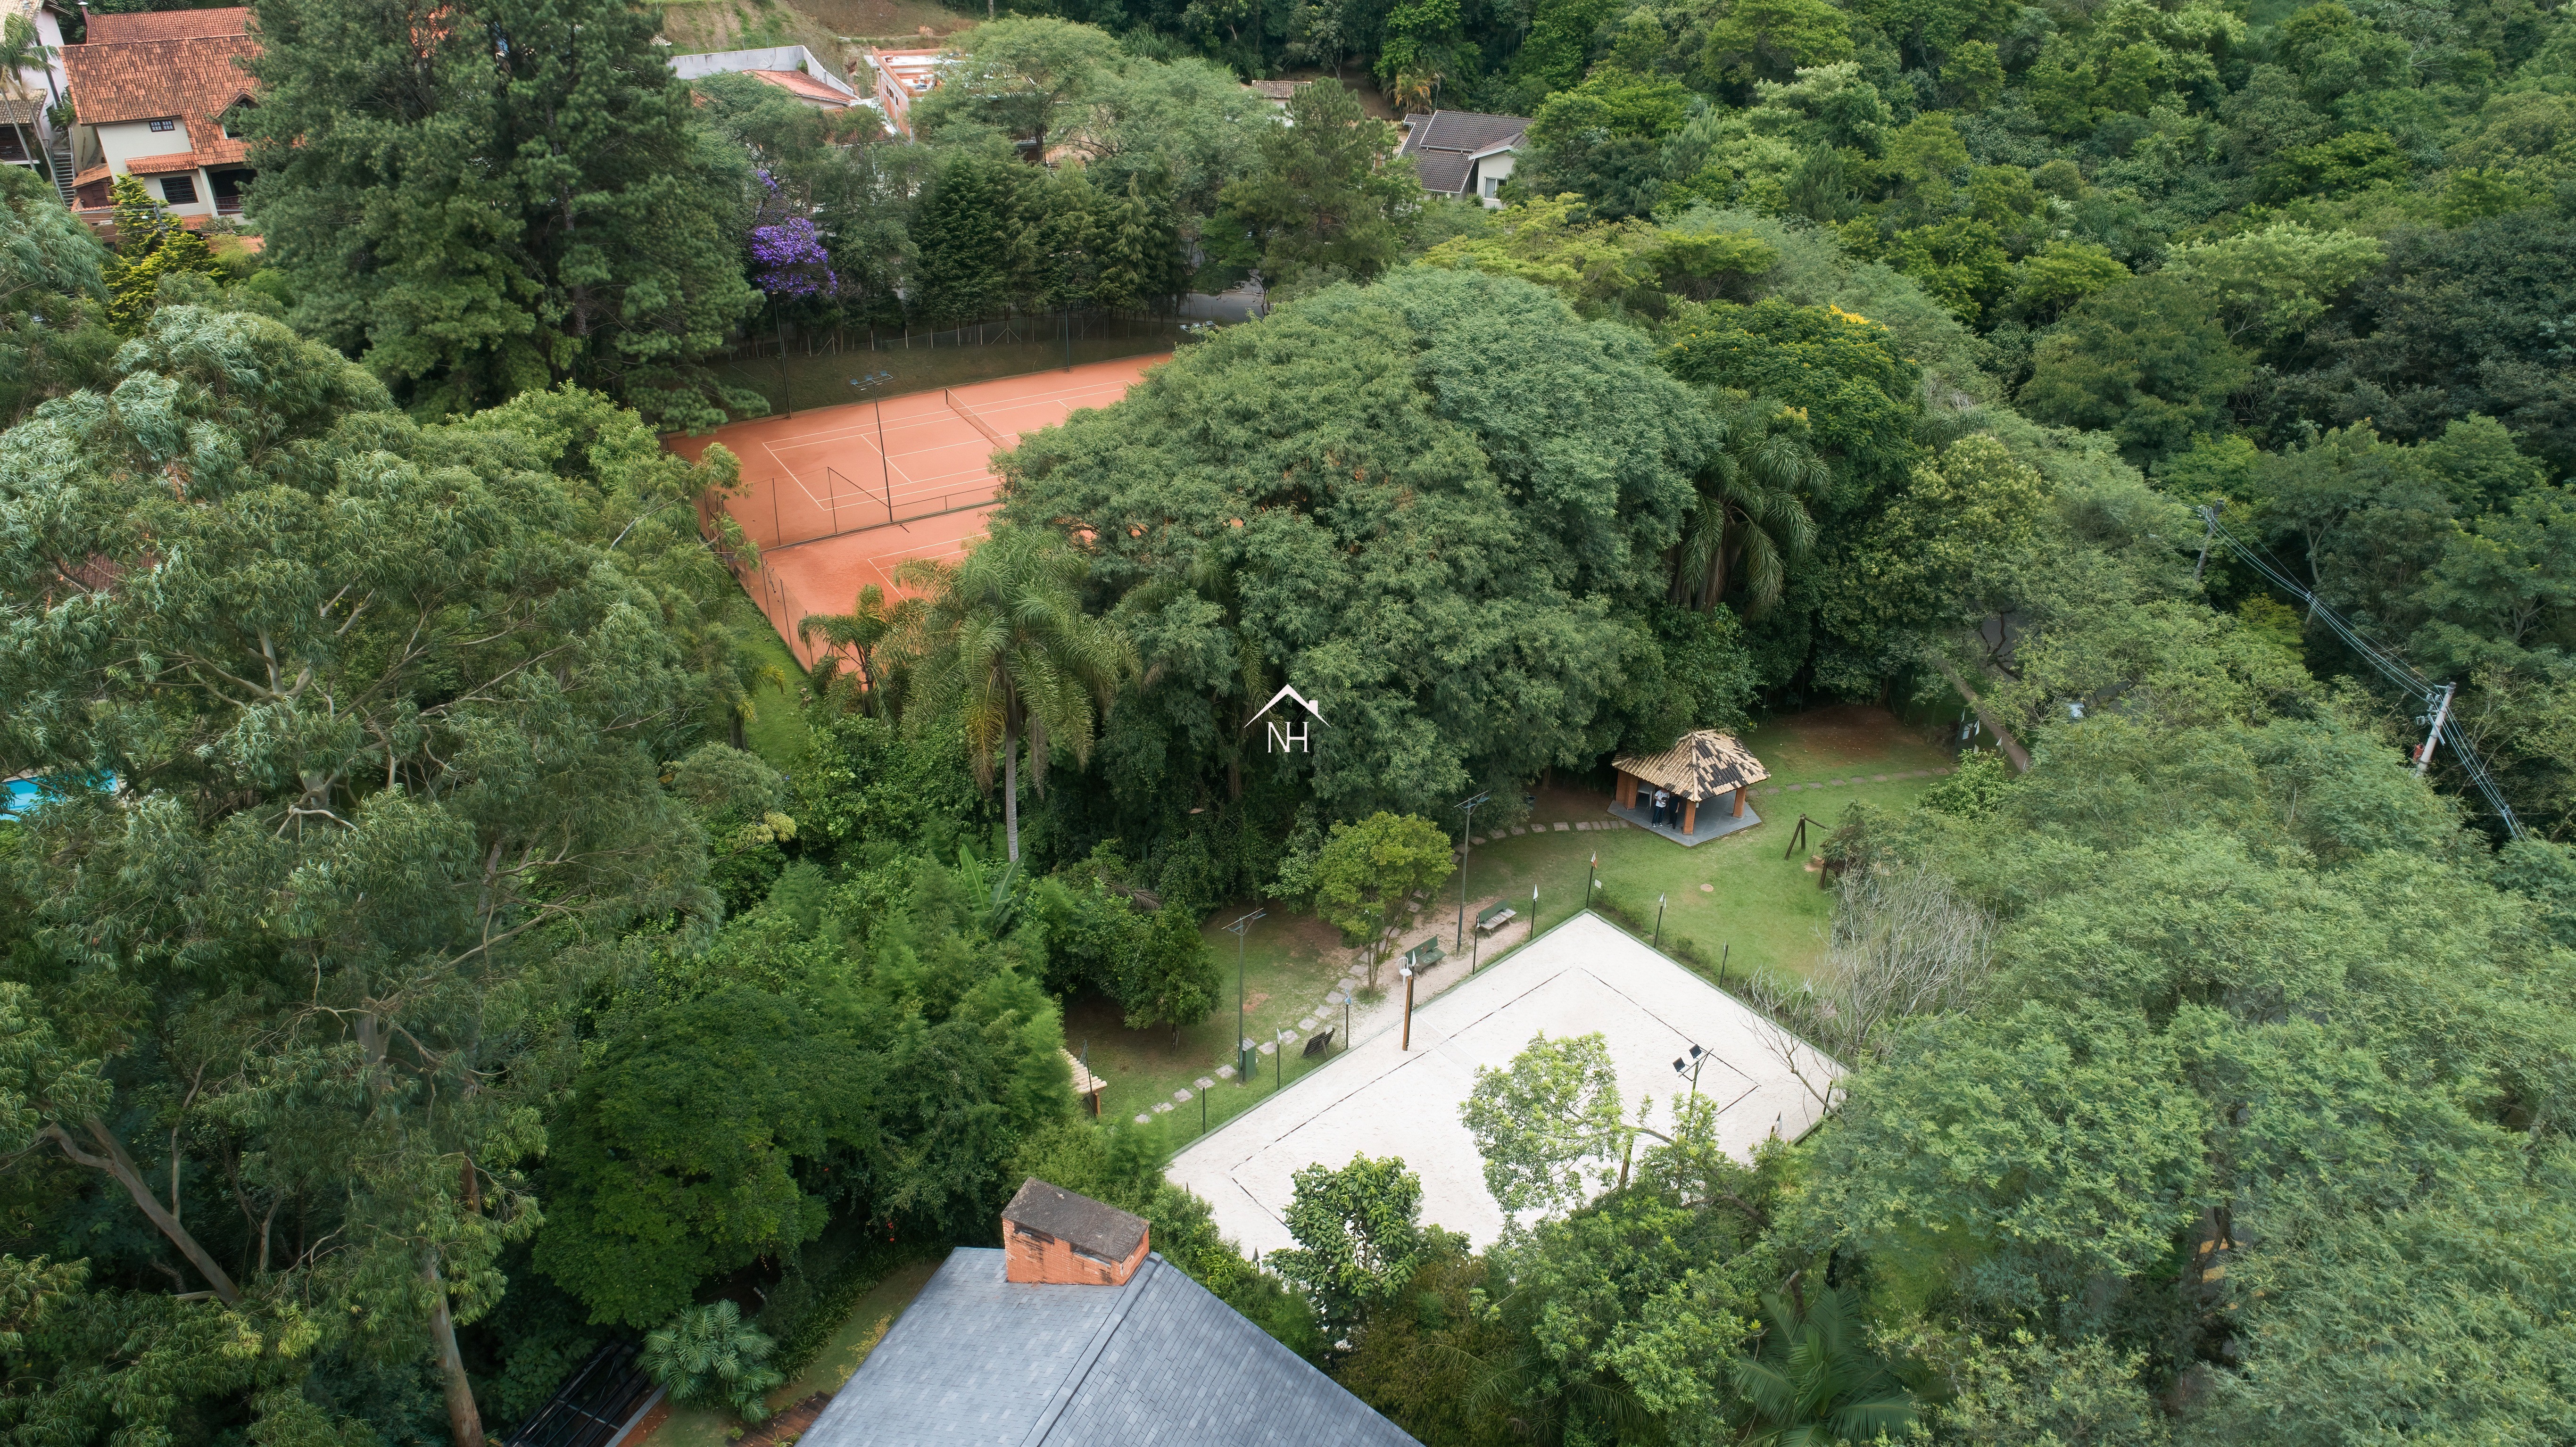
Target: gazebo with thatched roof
<point>1700,767</point>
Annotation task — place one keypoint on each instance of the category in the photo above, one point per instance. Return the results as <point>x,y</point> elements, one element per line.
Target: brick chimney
<point>1052,1237</point>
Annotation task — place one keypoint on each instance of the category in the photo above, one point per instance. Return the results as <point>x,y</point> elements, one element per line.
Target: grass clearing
<point>822,379</point>
<point>1733,899</point>
<point>850,1343</point>
<point>777,730</point>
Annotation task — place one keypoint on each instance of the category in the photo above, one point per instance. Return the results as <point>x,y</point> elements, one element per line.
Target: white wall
<point>122,141</point>
<point>775,57</point>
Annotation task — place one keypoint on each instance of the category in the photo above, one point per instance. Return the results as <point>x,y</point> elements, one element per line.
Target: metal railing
<point>593,1406</point>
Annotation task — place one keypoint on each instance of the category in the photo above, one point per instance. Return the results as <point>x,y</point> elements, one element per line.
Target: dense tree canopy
<point>1434,506</point>
<point>475,229</point>
<point>441,933</point>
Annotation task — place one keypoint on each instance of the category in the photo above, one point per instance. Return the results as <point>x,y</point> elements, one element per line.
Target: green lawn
<point>777,731</point>
<point>823,380</point>
<point>1734,900</point>
<point>1289,962</point>
<point>858,1335</point>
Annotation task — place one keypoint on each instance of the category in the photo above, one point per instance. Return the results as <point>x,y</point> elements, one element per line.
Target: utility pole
<point>1466,846</point>
<point>1244,1064</point>
<point>2441,711</point>
<point>1407,1042</point>
<point>786,389</point>
<point>2206,539</point>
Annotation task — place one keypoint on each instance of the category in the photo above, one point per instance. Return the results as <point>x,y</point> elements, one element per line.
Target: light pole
<point>1659,922</point>
<point>1689,1065</point>
<point>1466,845</point>
<point>1591,881</point>
<point>1243,1061</point>
<point>786,389</point>
<point>874,382</point>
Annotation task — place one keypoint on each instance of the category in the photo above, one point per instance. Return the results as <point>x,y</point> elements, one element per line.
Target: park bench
<point>1424,955</point>
<point>1494,917</point>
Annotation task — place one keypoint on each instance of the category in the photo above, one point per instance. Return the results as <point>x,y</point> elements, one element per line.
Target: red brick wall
<point>1034,1258</point>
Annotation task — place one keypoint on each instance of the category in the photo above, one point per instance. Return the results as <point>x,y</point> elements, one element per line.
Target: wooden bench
<point>1494,917</point>
<point>1424,955</point>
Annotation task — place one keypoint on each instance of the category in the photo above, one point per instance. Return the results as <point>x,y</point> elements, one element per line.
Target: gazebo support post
<point>1738,810</point>
<point>1690,817</point>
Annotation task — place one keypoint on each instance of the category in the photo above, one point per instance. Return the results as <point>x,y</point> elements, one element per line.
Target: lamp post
<point>1243,1061</point>
<point>1689,1065</point>
<point>1659,923</point>
<point>1591,881</point>
<point>786,389</point>
<point>874,382</point>
<point>1407,1042</point>
<point>1466,846</point>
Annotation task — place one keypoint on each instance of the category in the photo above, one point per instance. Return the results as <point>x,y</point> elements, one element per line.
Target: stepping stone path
<point>1560,828</point>
<point>1306,1024</point>
<point>1225,1072</point>
<point>1144,1120</point>
<point>1708,889</point>
<point>1270,1047</point>
<point>1181,1096</point>
<point>1204,1083</point>
<point>1162,1107</point>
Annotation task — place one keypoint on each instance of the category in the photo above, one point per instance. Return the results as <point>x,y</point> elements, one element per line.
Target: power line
<point>2392,667</point>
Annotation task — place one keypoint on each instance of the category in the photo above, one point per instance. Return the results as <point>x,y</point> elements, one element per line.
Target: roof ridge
<point>1071,1386</point>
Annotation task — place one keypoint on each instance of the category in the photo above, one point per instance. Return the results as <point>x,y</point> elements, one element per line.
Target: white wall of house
<point>51,80</point>
<point>1485,178</point>
<point>120,142</point>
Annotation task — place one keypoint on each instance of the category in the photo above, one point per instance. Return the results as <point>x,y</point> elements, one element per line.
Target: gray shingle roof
<point>1443,171</point>
<point>1157,1362</point>
<point>1086,1225</point>
<point>1466,132</point>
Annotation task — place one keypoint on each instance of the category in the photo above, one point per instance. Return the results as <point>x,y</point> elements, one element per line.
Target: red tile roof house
<point>156,96</point>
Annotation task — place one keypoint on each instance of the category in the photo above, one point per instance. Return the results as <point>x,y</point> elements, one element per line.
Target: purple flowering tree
<point>788,257</point>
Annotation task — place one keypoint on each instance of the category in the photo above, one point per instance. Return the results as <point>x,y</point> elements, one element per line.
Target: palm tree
<point>1815,1382</point>
<point>1001,646</point>
<point>708,1356</point>
<point>1751,513</point>
<point>20,51</point>
<point>862,631</point>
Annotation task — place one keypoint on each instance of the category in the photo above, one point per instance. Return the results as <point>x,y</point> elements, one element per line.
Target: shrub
<point>709,1357</point>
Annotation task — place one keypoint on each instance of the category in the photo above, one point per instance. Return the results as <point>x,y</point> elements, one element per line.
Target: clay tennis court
<point>839,497</point>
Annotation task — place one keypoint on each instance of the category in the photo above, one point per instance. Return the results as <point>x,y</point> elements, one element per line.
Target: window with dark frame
<point>179,190</point>
<point>165,125</point>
